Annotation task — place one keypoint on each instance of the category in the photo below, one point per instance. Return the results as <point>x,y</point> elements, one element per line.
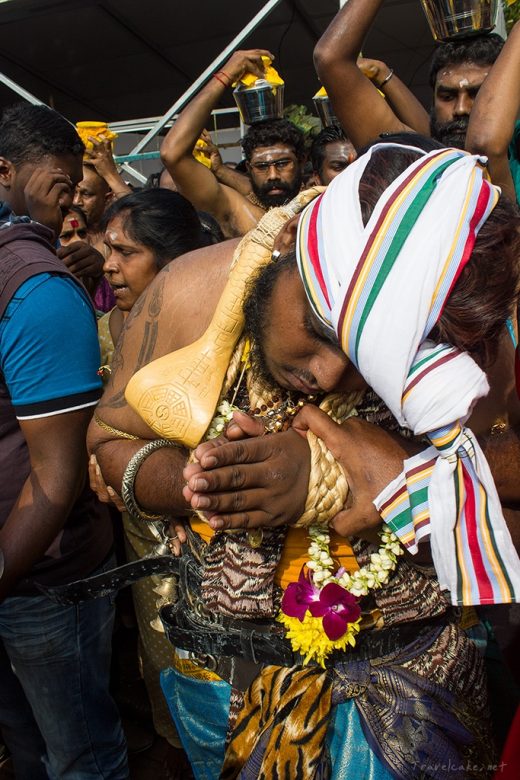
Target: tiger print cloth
<point>239,579</point>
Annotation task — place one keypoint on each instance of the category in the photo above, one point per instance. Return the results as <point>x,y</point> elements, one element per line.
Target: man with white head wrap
<point>382,294</point>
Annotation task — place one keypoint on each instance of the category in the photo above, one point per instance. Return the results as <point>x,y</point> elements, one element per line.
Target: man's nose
<point>77,199</point>
<point>328,368</point>
<point>463,105</point>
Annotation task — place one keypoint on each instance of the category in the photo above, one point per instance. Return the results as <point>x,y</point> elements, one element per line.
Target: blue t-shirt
<point>49,351</point>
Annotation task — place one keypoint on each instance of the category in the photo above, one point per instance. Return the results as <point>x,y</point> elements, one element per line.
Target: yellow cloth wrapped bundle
<point>200,153</point>
<point>271,75</point>
<point>98,130</point>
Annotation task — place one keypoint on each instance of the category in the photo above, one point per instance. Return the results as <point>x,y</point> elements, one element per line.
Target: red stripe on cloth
<point>374,233</point>
<point>480,208</point>
<point>402,490</point>
<point>425,371</point>
<point>420,467</point>
<point>483,583</point>
<point>420,525</point>
<point>312,245</point>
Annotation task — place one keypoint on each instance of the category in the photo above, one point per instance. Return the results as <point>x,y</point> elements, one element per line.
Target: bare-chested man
<point>263,480</point>
<point>458,70</point>
<point>273,149</point>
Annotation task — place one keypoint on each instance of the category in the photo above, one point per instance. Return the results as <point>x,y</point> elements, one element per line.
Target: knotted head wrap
<point>381,288</point>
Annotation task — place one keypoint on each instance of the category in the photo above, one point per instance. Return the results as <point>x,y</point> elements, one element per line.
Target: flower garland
<point>222,418</point>
<point>321,611</point>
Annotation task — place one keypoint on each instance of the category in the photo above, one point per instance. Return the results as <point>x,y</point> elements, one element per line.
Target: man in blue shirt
<point>56,714</point>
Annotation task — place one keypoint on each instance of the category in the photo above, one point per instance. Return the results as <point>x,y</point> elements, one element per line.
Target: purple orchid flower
<point>333,603</point>
<point>337,607</point>
<point>298,596</point>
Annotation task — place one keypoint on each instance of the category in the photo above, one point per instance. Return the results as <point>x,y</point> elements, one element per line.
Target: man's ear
<point>109,198</point>
<point>286,238</point>
<point>7,172</point>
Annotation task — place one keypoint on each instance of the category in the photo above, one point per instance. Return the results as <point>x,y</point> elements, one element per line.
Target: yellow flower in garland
<point>319,620</point>
<point>308,637</point>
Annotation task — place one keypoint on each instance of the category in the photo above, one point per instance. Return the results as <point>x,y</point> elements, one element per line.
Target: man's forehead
<point>274,152</point>
<point>338,150</point>
<point>91,178</point>
<point>463,75</point>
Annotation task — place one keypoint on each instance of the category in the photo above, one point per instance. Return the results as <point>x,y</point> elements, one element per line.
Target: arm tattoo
<point>151,330</point>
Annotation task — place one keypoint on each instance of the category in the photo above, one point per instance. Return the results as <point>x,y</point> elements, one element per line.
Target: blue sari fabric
<point>200,710</point>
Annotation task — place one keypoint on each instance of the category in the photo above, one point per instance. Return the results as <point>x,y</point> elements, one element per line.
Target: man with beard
<point>274,151</point>
<point>457,71</point>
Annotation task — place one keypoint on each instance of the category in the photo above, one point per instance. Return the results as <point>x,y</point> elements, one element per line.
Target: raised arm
<point>363,113</point>
<point>495,111</point>
<point>404,104</point>
<point>102,159</point>
<point>193,180</point>
<point>225,175</point>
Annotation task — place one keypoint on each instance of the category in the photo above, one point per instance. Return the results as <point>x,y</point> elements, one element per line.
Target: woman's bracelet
<point>128,485</point>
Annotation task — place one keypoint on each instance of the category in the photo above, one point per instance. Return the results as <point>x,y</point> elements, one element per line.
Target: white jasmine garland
<point>223,416</point>
<point>360,582</point>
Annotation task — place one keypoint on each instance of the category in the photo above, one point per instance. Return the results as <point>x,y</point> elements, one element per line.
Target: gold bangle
<point>127,486</point>
<point>115,431</point>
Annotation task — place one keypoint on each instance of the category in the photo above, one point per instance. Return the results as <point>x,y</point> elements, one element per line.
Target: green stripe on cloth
<point>408,221</point>
<point>418,497</point>
<point>427,359</point>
